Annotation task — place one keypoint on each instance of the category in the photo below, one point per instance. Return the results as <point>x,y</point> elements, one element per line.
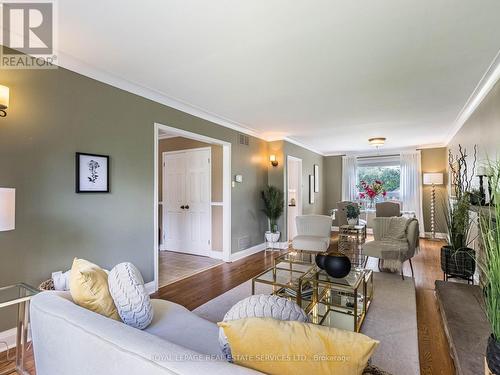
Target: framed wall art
<point>92,173</point>
<point>311,189</point>
<point>316,178</point>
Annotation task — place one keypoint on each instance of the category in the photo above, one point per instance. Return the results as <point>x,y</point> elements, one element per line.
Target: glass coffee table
<point>340,303</point>
<point>286,277</point>
<point>18,294</point>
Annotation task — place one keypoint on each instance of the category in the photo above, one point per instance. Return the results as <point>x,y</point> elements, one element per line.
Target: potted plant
<point>273,208</point>
<point>490,267</point>
<point>457,259</point>
<point>352,213</point>
<point>475,197</point>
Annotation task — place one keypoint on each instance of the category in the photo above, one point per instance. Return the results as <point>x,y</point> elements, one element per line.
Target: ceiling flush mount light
<point>377,142</point>
<point>4,100</point>
<point>273,160</point>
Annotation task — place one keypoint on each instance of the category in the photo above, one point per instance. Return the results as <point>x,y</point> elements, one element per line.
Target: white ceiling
<point>328,74</point>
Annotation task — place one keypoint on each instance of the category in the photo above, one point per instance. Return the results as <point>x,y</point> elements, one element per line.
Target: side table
<point>19,294</point>
<point>351,237</point>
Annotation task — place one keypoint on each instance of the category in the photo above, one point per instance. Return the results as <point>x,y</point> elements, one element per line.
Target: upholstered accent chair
<point>341,214</point>
<point>313,233</point>
<point>393,248</point>
<point>387,209</point>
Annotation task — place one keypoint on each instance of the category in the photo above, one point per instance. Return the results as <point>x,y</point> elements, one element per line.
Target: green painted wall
<point>333,180</point>
<point>483,129</point>
<point>53,114</point>
<point>435,160</point>
<point>277,177</point>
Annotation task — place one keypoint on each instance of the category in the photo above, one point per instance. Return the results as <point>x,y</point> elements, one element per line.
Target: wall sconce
<point>4,100</point>
<point>273,160</point>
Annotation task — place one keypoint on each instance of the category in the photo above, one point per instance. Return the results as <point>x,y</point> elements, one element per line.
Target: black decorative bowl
<point>320,260</point>
<point>337,265</point>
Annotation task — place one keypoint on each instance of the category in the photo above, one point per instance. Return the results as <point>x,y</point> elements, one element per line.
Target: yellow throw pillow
<point>280,347</point>
<point>88,285</point>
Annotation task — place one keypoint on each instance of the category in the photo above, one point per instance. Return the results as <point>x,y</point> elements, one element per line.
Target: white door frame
<point>226,191</point>
<point>299,190</point>
<point>209,253</point>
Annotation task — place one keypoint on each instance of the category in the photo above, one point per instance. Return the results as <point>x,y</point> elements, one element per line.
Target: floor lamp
<point>7,209</point>
<point>433,179</point>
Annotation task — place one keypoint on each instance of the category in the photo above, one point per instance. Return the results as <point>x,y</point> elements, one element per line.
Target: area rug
<point>391,319</point>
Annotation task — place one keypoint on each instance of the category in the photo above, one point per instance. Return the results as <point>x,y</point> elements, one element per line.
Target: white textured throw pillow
<point>126,286</point>
<point>261,306</point>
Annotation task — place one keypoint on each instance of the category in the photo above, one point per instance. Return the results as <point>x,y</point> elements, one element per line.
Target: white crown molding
<point>75,65</point>
<point>300,144</point>
<point>68,62</point>
<point>488,80</point>
<point>167,136</point>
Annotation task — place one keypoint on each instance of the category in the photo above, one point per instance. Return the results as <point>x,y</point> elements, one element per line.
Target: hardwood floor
<point>433,346</point>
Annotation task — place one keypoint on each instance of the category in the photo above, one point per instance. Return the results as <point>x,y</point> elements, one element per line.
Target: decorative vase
<point>337,265</point>
<point>493,355</point>
<point>352,221</point>
<point>458,263</point>
<point>272,236</point>
<point>370,203</point>
<point>320,260</point>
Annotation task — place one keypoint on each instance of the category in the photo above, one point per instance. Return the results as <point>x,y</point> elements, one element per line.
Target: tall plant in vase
<point>457,259</point>
<point>490,267</point>
<point>273,208</point>
<point>372,191</point>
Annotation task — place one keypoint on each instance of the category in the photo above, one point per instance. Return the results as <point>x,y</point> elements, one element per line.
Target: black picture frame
<point>78,173</point>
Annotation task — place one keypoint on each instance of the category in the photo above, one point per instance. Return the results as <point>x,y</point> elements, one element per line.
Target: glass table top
<point>281,276</point>
<point>296,257</point>
<point>13,294</point>
<point>353,279</point>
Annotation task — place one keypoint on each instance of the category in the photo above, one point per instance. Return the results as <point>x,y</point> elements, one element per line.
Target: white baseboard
<point>150,287</point>
<point>8,339</point>
<point>247,252</point>
<point>216,254</point>
<point>439,235</point>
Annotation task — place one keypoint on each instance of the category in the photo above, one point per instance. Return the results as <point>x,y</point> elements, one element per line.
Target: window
<point>385,169</point>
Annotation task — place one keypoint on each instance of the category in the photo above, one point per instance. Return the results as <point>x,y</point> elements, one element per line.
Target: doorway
<point>186,203</point>
<point>192,203</point>
<point>294,194</point>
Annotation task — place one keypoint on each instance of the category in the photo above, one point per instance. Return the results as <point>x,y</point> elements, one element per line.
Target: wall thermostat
<point>238,178</point>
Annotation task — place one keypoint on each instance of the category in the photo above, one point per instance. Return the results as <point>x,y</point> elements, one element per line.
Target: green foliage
<point>459,223</point>
<point>389,175</point>
<point>273,205</point>
<point>490,265</point>
<point>352,211</point>
<point>457,219</point>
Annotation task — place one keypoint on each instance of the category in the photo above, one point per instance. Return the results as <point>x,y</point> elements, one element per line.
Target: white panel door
<point>186,201</point>
<point>198,218</point>
<point>174,199</point>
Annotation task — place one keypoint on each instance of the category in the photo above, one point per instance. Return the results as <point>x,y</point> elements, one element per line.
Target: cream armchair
<point>396,241</point>
<point>313,233</point>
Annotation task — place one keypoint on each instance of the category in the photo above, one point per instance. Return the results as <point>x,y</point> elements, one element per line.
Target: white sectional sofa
<point>70,340</point>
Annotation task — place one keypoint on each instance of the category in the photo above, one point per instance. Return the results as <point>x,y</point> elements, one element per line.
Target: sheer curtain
<point>411,185</point>
<point>349,178</point>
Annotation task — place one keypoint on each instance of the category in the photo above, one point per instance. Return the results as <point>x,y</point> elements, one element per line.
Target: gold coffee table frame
<point>287,275</point>
<point>324,286</point>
